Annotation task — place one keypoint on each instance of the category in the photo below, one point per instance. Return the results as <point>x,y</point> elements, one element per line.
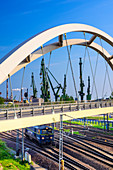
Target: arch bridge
<point>30,50</point>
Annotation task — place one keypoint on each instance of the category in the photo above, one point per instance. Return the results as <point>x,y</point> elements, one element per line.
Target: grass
<point>7,161</point>
<point>90,124</point>
<point>99,118</point>
<point>77,133</point>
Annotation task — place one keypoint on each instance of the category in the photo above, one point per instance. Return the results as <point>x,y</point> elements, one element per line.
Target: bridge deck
<point>11,124</point>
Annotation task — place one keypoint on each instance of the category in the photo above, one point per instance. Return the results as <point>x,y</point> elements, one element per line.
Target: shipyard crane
<point>58,87</point>
<point>88,90</point>
<point>81,93</point>
<point>33,86</point>
<point>45,84</point>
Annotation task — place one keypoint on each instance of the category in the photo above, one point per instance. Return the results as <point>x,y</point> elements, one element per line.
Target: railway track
<point>99,141</point>
<point>92,151</point>
<point>87,149</point>
<point>71,164</point>
<point>53,154</point>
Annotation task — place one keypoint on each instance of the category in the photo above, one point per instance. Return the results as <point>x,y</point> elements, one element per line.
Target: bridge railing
<point>36,110</point>
<point>11,104</point>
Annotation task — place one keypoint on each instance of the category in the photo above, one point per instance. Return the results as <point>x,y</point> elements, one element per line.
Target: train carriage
<point>42,134</point>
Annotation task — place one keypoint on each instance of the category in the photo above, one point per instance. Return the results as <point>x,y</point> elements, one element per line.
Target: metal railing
<point>35,110</point>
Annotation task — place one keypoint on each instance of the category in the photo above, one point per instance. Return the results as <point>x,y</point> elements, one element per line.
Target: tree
<point>1,100</point>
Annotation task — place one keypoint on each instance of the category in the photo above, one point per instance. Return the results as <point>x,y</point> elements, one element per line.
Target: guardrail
<point>20,112</point>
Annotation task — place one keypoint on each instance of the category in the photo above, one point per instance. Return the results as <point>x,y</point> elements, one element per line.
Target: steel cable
<point>71,68</point>
<point>22,81</point>
<point>106,73</point>
<point>91,66</point>
<point>95,71</point>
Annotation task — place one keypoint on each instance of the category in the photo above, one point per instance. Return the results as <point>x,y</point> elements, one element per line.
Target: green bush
<point>7,161</point>
<point>1,100</point>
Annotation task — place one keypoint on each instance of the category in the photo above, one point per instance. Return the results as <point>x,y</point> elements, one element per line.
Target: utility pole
<point>81,93</point>
<point>61,161</point>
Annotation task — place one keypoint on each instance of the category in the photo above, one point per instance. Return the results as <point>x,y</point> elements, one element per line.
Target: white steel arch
<point>54,46</point>
<point>10,62</point>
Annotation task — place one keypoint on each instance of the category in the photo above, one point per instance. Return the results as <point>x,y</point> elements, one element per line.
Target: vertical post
<point>20,112</point>
<point>7,89</point>
<point>61,161</point>
<point>10,86</point>
<point>21,96</point>
<point>7,114</point>
<point>72,131</point>
<point>104,122</point>
<point>27,94</point>
<point>84,121</point>
<point>22,144</point>
<point>53,124</point>
<point>17,143</point>
<point>33,111</point>
<point>107,124</point>
<point>43,110</point>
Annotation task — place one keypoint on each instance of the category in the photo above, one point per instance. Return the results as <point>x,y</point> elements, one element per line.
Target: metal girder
<point>91,40</point>
<point>111,57</point>
<point>61,40</point>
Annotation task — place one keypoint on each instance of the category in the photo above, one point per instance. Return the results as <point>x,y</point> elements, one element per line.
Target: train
<point>42,134</point>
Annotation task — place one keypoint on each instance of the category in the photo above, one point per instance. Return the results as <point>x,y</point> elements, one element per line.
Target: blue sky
<point>22,19</point>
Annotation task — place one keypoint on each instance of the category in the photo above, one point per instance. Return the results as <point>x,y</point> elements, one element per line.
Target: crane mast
<point>45,85</point>
<point>88,90</point>
<point>81,93</point>
<point>64,88</point>
<point>33,86</point>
